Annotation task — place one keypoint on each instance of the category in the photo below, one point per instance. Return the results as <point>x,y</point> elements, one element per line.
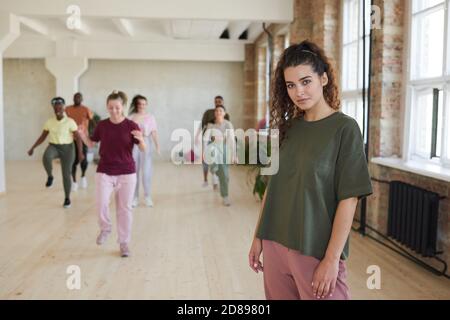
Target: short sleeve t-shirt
<point>321,163</point>
<point>222,127</point>
<point>116,146</point>
<point>60,131</point>
<point>209,118</point>
<point>223,134</point>
<point>147,124</point>
<point>81,115</point>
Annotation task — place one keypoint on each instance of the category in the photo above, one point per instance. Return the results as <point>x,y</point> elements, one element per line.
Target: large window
<point>428,134</point>
<point>354,36</point>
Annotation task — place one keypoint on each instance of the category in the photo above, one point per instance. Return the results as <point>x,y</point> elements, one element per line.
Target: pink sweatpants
<point>288,274</point>
<point>124,186</point>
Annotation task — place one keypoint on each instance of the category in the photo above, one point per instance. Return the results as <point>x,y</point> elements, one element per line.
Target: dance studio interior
<point>107,207</point>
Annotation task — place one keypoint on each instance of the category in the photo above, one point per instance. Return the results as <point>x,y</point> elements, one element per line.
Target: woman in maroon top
<point>116,170</point>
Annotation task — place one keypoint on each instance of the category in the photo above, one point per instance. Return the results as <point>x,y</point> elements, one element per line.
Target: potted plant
<point>92,154</point>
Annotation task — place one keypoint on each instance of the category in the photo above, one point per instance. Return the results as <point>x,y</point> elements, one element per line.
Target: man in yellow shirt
<point>61,131</point>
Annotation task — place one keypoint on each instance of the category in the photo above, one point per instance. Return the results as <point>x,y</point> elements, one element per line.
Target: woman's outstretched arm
<point>41,139</point>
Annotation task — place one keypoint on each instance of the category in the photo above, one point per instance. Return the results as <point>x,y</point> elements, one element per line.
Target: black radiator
<point>413,217</point>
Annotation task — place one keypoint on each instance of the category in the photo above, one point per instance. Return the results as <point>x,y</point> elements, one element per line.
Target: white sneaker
<point>226,202</point>
<point>148,202</point>
<point>74,186</point>
<point>135,202</point>
<point>205,184</point>
<point>84,183</point>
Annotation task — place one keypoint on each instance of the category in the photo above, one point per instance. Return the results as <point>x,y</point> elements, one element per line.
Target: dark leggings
<point>84,163</point>
<point>66,153</point>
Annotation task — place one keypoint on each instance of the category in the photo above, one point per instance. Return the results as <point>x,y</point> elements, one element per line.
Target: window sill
<point>424,169</point>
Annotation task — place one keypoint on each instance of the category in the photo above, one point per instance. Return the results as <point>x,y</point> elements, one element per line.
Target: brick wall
<point>318,21</point>
<point>386,122</point>
<point>249,86</point>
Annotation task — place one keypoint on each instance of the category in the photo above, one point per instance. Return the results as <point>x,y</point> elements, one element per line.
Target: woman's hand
<point>137,134</point>
<point>324,278</point>
<point>255,254</point>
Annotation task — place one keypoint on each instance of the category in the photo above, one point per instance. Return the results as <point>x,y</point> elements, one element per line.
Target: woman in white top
<point>143,159</point>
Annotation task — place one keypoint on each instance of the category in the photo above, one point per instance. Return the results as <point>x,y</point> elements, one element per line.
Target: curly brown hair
<point>282,108</point>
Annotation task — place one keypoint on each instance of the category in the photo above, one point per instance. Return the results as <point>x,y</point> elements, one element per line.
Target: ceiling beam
<point>254,30</point>
<point>124,26</point>
<point>277,11</point>
<point>181,29</point>
<point>174,50</point>
<point>34,25</point>
<point>218,29</point>
<point>236,28</point>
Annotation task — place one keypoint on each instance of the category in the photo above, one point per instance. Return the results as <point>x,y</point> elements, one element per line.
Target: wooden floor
<point>187,247</point>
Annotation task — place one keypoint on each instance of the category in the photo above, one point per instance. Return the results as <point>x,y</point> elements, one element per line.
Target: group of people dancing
<point>126,146</point>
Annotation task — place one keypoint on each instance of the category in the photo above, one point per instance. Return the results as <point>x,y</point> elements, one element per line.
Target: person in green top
<point>207,118</point>
<point>309,204</point>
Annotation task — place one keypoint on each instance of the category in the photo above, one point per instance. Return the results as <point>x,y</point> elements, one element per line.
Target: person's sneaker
<point>49,182</point>
<point>226,202</point>
<point>84,183</point>
<point>124,251</point>
<point>101,238</point>
<point>66,203</point>
<point>148,201</point>
<point>135,202</point>
<point>205,184</point>
<point>74,186</point>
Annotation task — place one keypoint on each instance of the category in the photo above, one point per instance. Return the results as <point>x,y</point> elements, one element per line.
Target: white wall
<point>178,93</point>
<point>28,89</point>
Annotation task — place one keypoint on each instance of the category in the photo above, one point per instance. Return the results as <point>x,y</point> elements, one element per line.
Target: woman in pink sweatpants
<point>116,171</point>
<point>308,206</point>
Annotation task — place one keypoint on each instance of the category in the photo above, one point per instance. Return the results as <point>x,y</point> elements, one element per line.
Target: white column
<point>67,68</point>
<point>2,132</point>
<point>67,72</point>
<point>9,31</point>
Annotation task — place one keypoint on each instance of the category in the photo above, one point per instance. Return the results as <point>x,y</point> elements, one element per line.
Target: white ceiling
<point>158,25</point>
<point>137,29</point>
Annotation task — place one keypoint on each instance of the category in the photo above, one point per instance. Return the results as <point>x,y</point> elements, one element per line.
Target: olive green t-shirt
<point>321,163</point>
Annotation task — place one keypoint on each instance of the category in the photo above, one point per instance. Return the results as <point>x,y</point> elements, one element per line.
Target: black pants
<point>83,164</point>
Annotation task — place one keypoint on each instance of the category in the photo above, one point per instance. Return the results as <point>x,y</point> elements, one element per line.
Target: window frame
<point>355,94</point>
<point>417,85</point>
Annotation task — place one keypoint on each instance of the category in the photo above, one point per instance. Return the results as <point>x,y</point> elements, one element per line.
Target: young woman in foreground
<point>308,207</point>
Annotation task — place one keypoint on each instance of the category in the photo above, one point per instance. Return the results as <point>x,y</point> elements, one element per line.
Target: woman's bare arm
<point>41,139</point>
